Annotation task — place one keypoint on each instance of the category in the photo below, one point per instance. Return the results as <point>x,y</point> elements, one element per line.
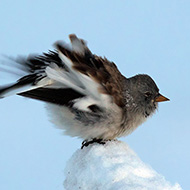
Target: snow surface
<point>113,166</point>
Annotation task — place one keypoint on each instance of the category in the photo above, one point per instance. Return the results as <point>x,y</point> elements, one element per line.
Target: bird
<point>85,94</point>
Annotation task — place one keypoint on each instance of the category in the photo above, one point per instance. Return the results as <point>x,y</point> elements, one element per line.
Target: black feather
<point>28,79</point>
<point>56,96</point>
<point>38,63</point>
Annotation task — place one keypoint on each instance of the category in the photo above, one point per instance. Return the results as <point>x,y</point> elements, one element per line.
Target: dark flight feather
<point>56,96</point>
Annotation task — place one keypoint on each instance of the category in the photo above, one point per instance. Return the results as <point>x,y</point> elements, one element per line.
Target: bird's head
<point>145,94</point>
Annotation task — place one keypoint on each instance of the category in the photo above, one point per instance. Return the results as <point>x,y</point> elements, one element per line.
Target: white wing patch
<point>90,85</point>
<point>65,78</point>
<point>79,82</point>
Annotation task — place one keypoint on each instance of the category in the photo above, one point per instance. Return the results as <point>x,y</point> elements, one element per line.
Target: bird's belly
<point>86,126</point>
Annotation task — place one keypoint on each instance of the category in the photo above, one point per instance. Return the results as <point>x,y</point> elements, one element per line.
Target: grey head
<point>143,95</point>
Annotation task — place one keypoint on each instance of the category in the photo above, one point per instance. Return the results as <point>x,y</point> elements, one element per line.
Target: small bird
<point>86,94</point>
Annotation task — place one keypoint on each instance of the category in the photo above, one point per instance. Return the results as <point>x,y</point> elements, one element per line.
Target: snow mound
<point>113,166</point>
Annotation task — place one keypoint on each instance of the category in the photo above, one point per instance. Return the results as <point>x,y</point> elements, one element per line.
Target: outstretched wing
<point>70,76</point>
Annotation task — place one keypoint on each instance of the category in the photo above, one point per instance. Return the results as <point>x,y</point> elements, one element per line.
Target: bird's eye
<point>148,94</point>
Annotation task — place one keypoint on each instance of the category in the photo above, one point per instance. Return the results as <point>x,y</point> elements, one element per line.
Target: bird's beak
<point>161,98</point>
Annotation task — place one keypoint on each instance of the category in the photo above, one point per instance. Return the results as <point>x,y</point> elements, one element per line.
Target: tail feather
<point>26,83</point>
<point>10,90</point>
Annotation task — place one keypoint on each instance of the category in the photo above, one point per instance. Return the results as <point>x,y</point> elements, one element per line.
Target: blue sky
<point>151,37</point>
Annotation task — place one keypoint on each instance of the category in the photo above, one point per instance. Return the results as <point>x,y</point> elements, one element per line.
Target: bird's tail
<point>23,70</point>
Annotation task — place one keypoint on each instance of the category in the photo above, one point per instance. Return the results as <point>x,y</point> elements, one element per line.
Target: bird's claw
<point>85,143</point>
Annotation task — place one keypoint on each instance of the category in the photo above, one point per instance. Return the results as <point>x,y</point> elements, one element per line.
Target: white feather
<point>90,85</point>
<point>83,103</point>
<point>17,90</point>
<point>62,77</point>
<point>14,90</point>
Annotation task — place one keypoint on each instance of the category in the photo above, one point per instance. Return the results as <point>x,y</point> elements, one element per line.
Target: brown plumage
<point>99,69</point>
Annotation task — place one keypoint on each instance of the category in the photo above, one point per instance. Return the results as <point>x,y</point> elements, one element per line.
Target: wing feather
<point>100,72</point>
<point>94,80</point>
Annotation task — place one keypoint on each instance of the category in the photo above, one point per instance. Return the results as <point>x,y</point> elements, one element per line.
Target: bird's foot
<point>99,141</point>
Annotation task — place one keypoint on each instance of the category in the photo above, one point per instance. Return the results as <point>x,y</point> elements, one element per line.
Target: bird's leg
<point>86,142</point>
